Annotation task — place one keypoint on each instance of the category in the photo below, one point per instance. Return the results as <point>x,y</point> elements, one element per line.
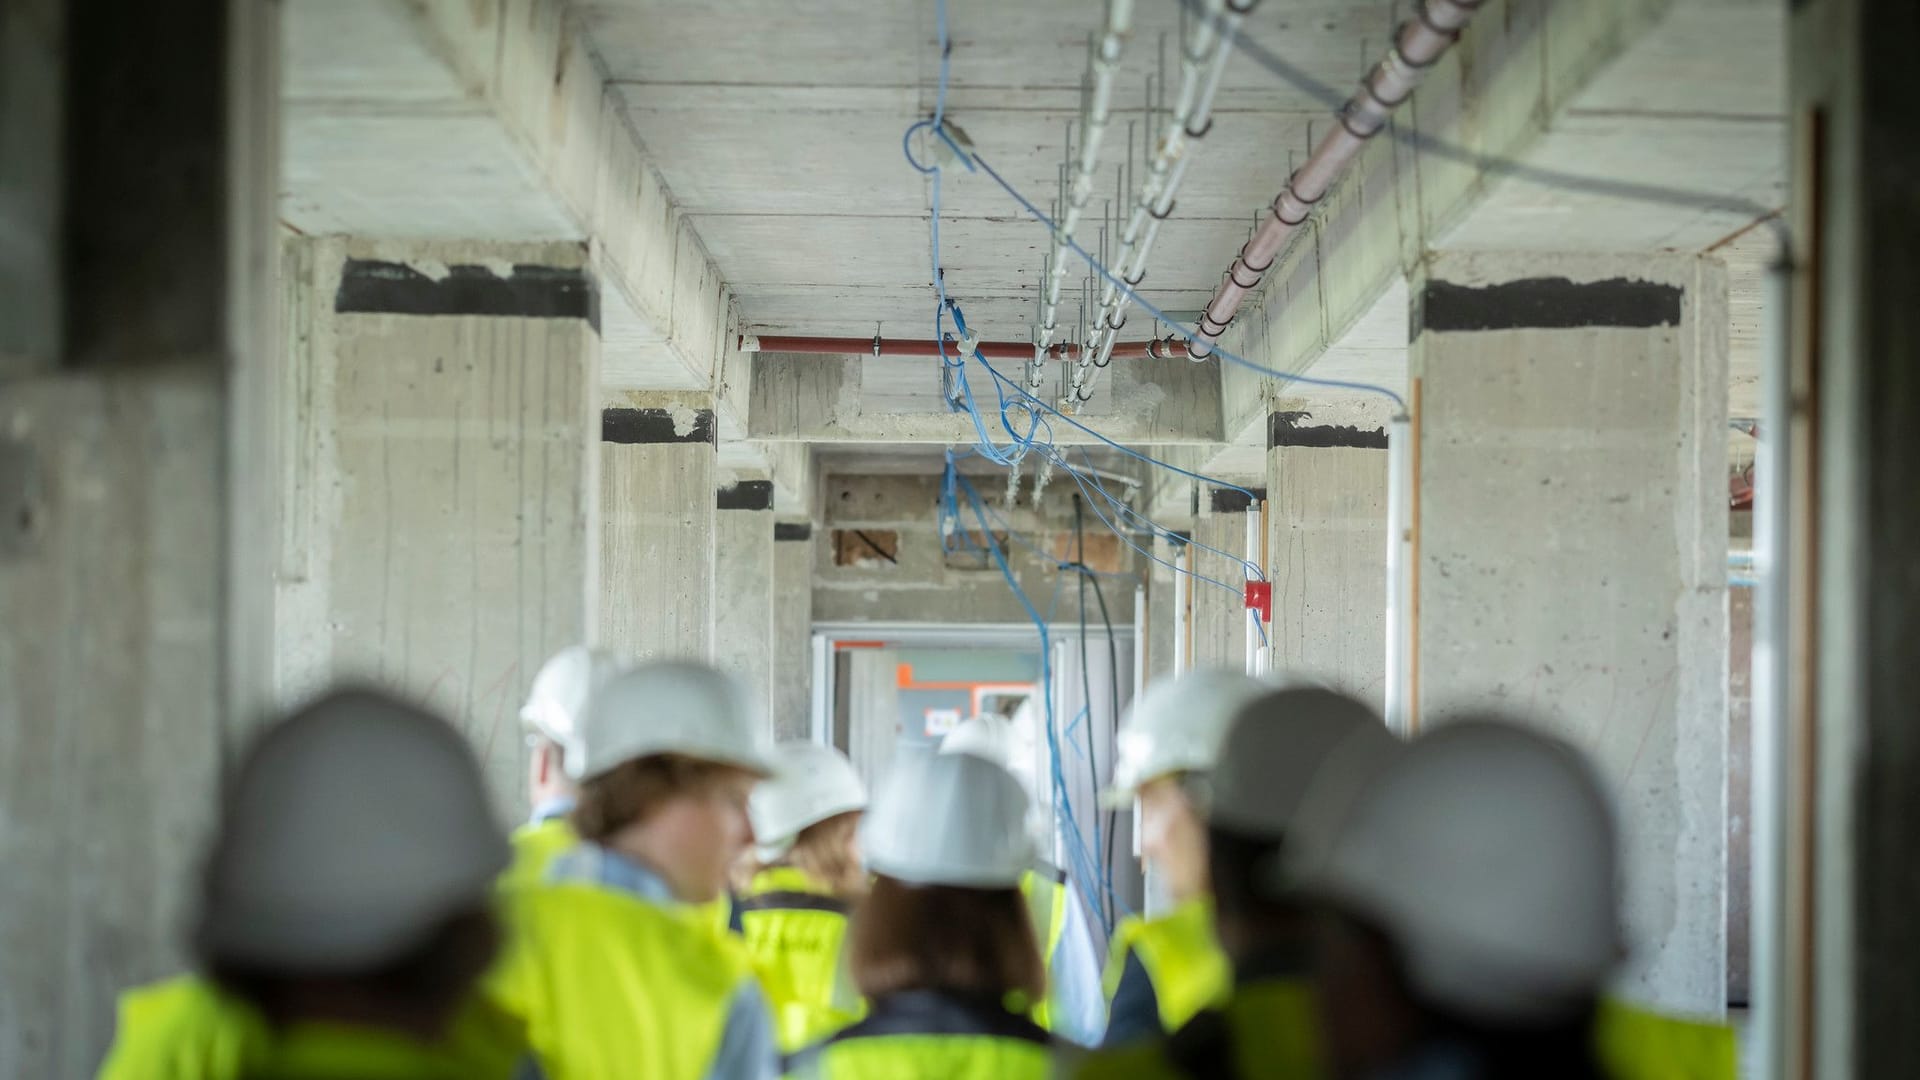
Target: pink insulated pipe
<point>1421,40</point>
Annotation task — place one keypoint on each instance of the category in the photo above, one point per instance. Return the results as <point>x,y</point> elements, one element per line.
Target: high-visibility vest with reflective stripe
<point>1264,1031</point>
<point>1046,897</point>
<point>610,984</point>
<point>926,1035</point>
<point>1181,956</point>
<point>795,931</point>
<point>1635,1044</point>
<point>535,846</point>
<point>186,1028</point>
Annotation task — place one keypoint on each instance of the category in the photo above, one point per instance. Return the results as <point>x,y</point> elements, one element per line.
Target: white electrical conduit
<point>1203,61</point>
<point>1420,41</point>
<point>1095,110</point>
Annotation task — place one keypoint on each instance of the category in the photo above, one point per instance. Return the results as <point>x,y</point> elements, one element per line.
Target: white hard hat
<point>810,783</point>
<point>948,819</point>
<point>1486,852</point>
<point>989,737</point>
<point>670,707</point>
<point>1176,726</point>
<point>1274,745</point>
<point>561,690</point>
<point>352,830</point>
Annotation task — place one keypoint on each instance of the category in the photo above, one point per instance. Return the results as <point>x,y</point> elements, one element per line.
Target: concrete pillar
<point>132,337</point>
<point>438,419</point>
<point>744,586</point>
<point>657,512</point>
<point>1572,523</point>
<point>792,652</point>
<point>1161,602</point>
<point>1327,552</point>
<point>1220,614</point>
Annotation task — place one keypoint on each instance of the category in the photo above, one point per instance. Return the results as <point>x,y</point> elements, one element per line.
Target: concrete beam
<point>491,120</point>
<point>846,399</point>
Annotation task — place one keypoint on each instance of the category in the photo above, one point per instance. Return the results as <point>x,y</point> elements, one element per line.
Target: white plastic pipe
<point>1102,62</point>
<point>1419,43</point>
<point>1253,616</point>
<point>1400,638</point>
<point>1139,681</point>
<point>1182,590</point>
<point>1776,978</point>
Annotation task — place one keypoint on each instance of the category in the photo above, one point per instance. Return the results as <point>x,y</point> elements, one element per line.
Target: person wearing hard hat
<point>941,946</point>
<point>344,914</point>
<point>607,972</point>
<point>1073,1007</point>
<point>806,876</point>
<point>1277,748</point>
<point>552,717</point>
<point>1161,970</point>
<point>1475,909</point>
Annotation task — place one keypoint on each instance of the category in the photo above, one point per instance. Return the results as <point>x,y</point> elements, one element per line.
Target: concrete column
<point>132,338</point>
<point>1327,552</point>
<point>1162,595</point>
<point>744,586</point>
<point>657,512</point>
<point>438,422</point>
<point>1572,517</point>
<point>792,652</point>
<point>1220,614</point>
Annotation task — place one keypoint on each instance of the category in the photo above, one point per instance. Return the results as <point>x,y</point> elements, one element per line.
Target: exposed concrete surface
<point>31,69</point>
<point>436,539</point>
<point>743,601</point>
<point>791,594</point>
<point>657,542</point>
<point>1327,559</point>
<point>1219,614</point>
<point>1572,536</point>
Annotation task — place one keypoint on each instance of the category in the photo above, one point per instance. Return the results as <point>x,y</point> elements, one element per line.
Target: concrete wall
<point>743,588</point>
<point>436,531</point>
<point>1572,531</point>
<point>657,515</point>
<point>1327,553</point>
<point>1220,614</point>
<point>792,653</point>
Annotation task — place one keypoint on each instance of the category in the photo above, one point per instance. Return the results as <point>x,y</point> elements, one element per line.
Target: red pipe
<point>1159,349</point>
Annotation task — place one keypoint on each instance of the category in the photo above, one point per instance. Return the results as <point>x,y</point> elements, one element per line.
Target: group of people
<point>688,901</point>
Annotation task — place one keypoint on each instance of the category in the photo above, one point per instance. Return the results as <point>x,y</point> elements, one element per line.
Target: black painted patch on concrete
<point>631,426</point>
<point>1291,429</point>
<point>1181,537</point>
<point>1232,501</point>
<point>1553,303</point>
<point>371,286</point>
<point>792,530</point>
<point>746,495</point>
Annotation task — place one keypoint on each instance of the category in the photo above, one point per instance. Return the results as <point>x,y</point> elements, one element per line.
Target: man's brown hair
<point>976,942</point>
<point>633,790</point>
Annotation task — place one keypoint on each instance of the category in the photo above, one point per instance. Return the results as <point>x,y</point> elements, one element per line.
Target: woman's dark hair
<point>974,942</point>
<point>432,977</point>
<point>1236,865</point>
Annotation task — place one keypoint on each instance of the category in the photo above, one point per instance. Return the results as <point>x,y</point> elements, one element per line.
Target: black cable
<point>1113,675</point>
<point>876,548</point>
<point>1086,691</point>
<point>1335,99</point>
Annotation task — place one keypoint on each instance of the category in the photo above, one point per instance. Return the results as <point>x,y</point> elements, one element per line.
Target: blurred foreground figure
<point>1073,1007</point>
<point>603,965</point>
<point>1278,747</point>
<point>344,913</point>
<point>1163,970</point>
<point>806,876</point>
<point>941,946</point>
<point>555,707</point>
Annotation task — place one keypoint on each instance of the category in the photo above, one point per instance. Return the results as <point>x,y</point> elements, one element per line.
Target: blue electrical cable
<point>1250,570</point>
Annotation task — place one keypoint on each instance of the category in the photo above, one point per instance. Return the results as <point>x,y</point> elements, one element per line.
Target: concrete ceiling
<point>777,126</point>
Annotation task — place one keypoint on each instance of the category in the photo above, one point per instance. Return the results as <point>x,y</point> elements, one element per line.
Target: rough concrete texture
<point>110,697</point>
<point>436,539</point>
<point>923,586</point>
<point>743,601</point>
<point>1572,536</point>
<point>1327,559</point>
<point>1160,609</point>
<point>1219,614</point>
<point>657,549</point>
<point>791,703</point>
